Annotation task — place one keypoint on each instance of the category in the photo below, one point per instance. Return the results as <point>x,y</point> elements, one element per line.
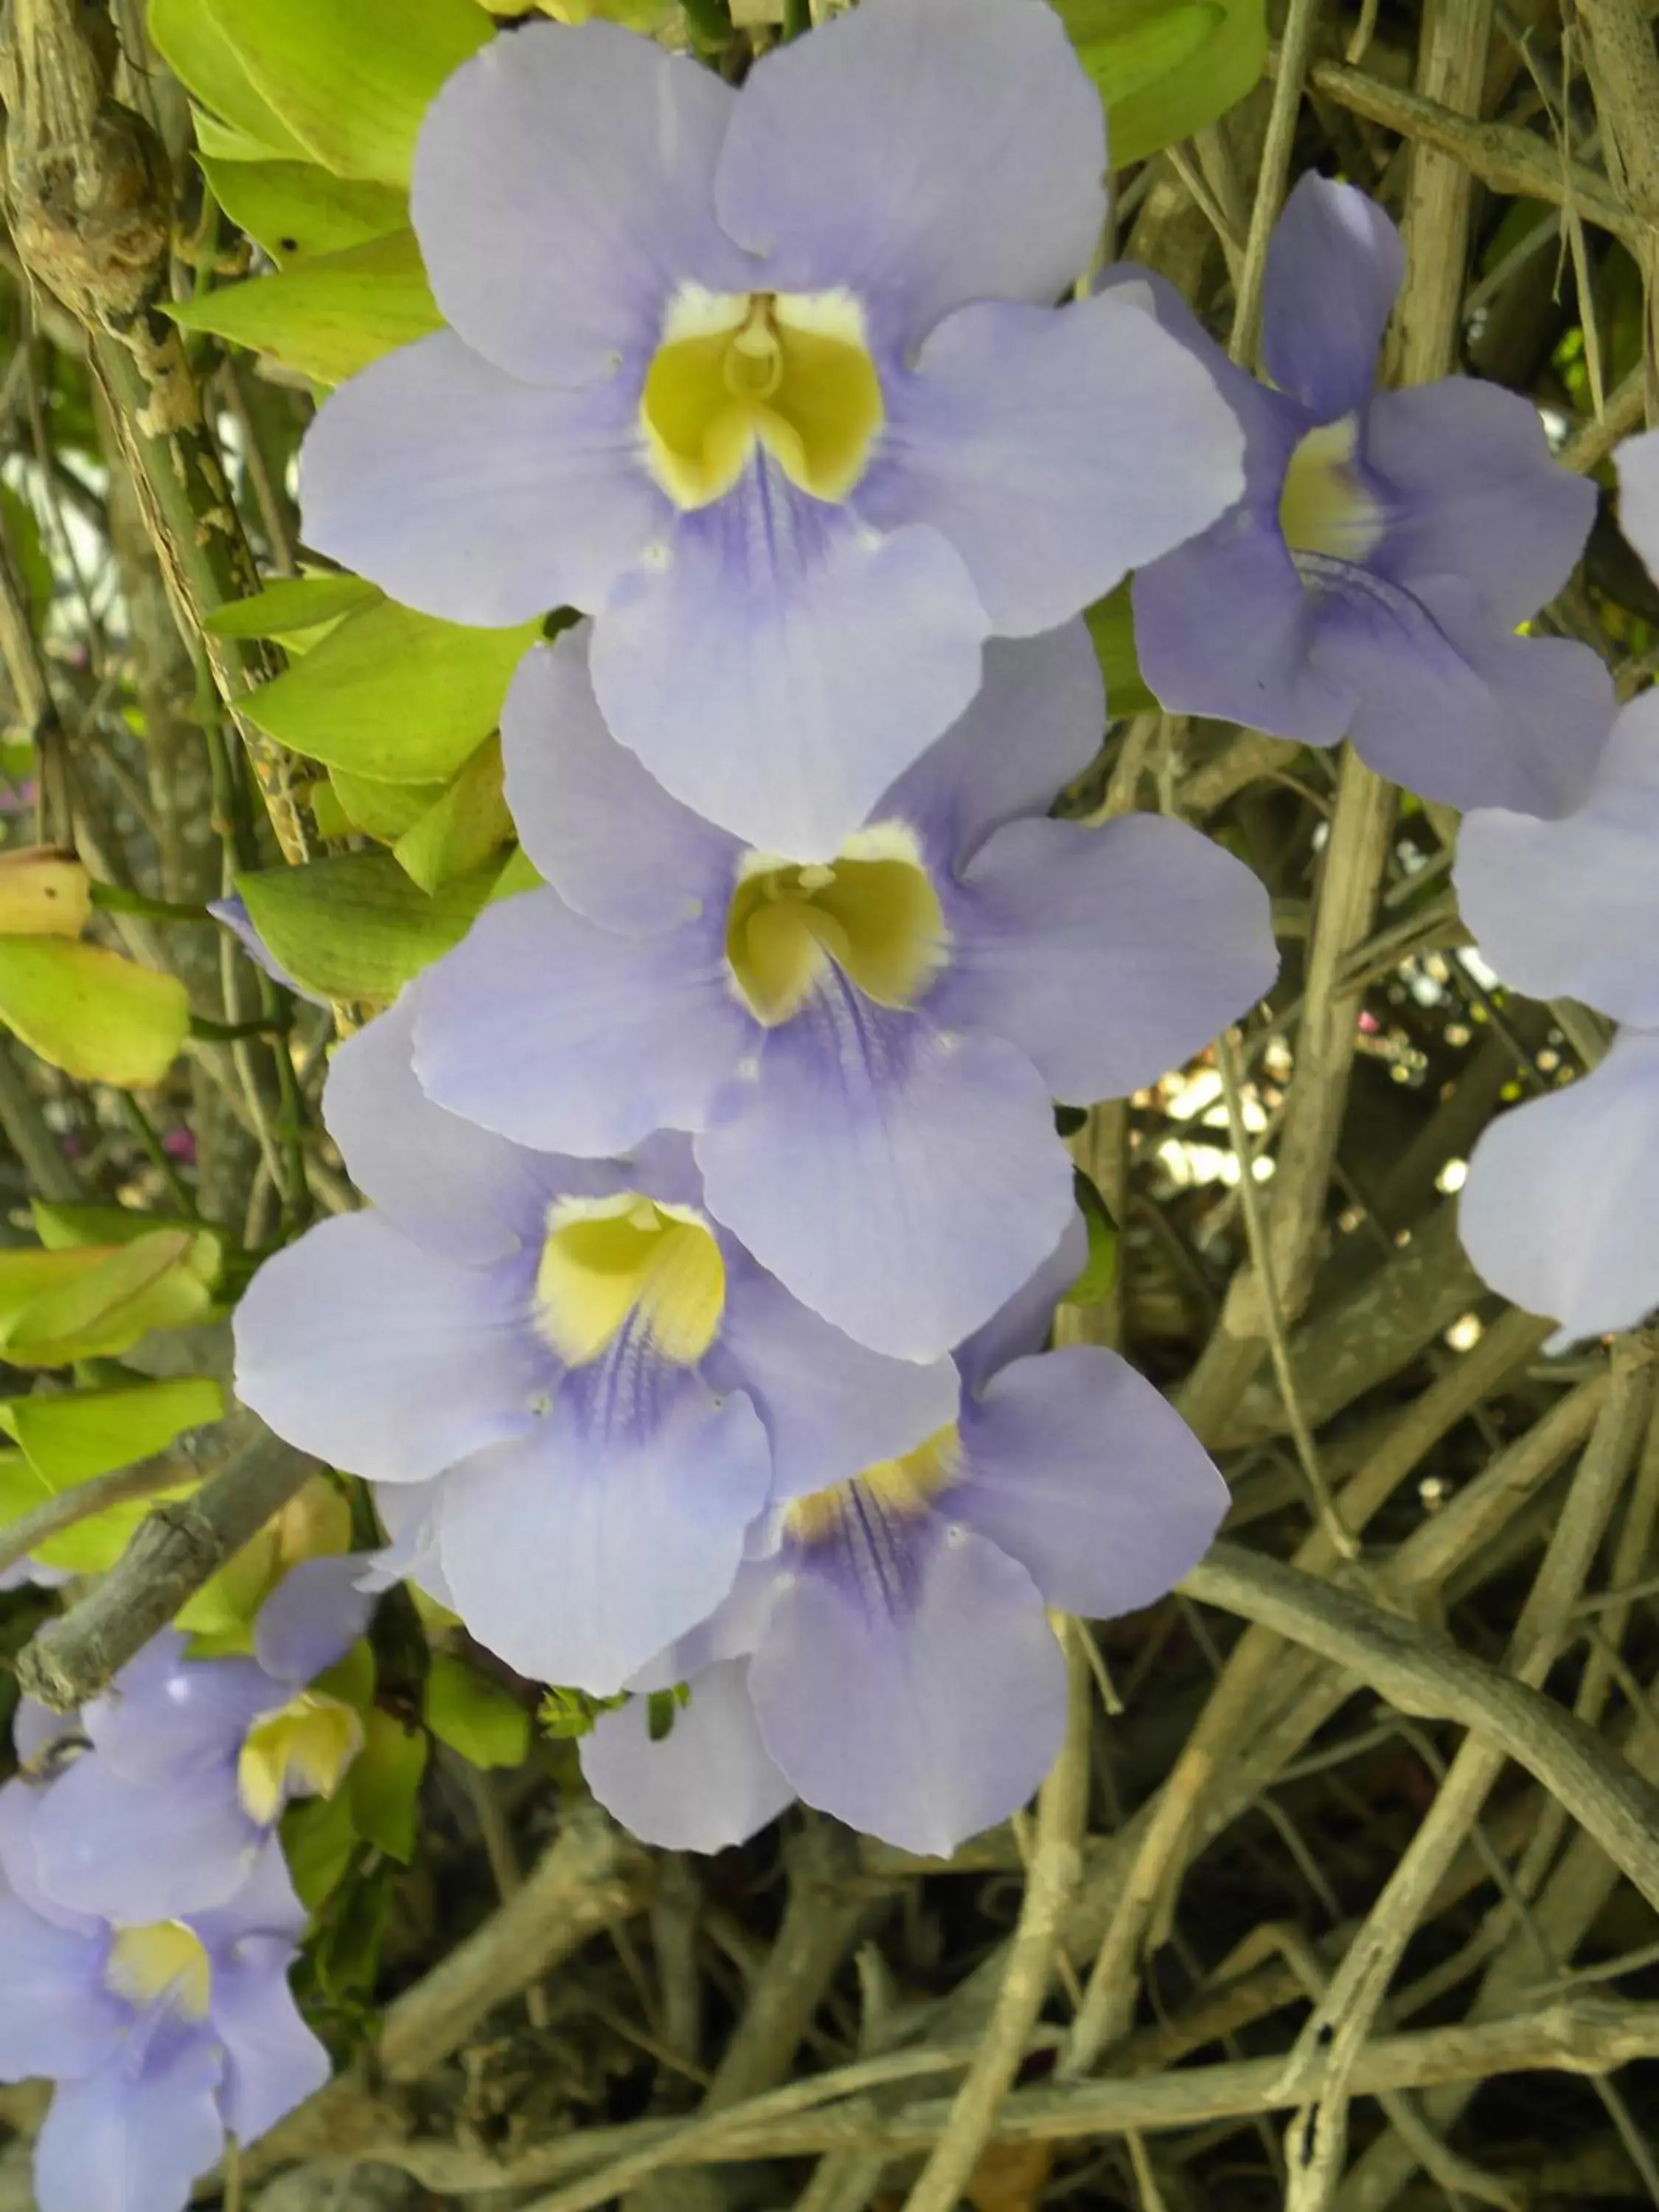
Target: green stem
<point>160,1158</point>
<point>114,898</point>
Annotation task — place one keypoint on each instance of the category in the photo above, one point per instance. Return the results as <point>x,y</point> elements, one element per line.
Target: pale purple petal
<point>1638,463</point>
<point>1570,909</point>
<point>408,1513</point>
<point>576,1555</point>
<point>1073,1465</point>
<point>707,1784</point>
<point>1471,491</point>
<point>265,1904</point>
<point>57,2020</point>
<point>469,496</point>
<point>35,1728</point>
<point>831,1407</point>
<point>1110,955</point>
<point>272,2060</point>
<point>899,1182</point>
<point>924,153</point>
<point>1454,707</point>
<point>923,1722</point>
<point>313,1617</point>
<point>565,1037</point>
<point>124,2143</point>
<point>356,1344</point>
<point>562,187</point>
<point>1022,1324</point>
<point>781,666</point>
<point>605,835</point>
<point>137,1851</point>
<point>1055,450</point>
<point>1560,1212</point>
<point>165,1714</point>
<point>1036,722</point>
<point>462,1192</point>
<point>1335,268</point>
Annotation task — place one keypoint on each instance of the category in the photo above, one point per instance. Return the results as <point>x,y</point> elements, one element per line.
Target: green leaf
<point>1112,625</point>
<point>187,35</point>
<point>459,831</point>
<point>1166,68</point>
<point>1100,1268</point>
<point>352,82</point>
<point>351,1678</point>
<point>407,697</point>
<point>319,1838</point>
<point>385,1783</point>
<point>295,209</point>
<point>354,926</point>
<point>329,315</point>
<point>394,695</point>
<point>98,1017</point>
<point>63,1226</point>
<point>292,605</point>
<point>100,1310</point>
<point>474,1715</point>
<point>68,1437</point>
<point>379,809</point>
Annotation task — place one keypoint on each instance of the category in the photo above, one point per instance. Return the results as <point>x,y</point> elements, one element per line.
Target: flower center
<point>789,371</point>
<point>608,1263</point>
<point>893,1490</point>
<point>1325,507</point>
<point>873,911</point>
<point>164,1963</point>
<point>305,1746</point>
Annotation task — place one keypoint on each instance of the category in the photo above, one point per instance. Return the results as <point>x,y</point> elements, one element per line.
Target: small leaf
<point>459,831</point>
<point>291,605</point>
<point>102,1310</point>
<point>68,1438</point>
<point>1166,68</point>
<point>187,35</point>
<point>474,1715</point>
<point>379,809</point>
<point>98,1017</point>
<point>319,1838</point>
<point>352,83</point>
<point>354,926</point>
<point>327,316</point>
<point>385,1783</point>
<point>394,695</point>
<point>351,1678</point>
<point>296,210</point>
<point>1112,625</point>
<point>63,1226</point>
<point>1100,1268</point>
<point>43,893</point>
<point>28,551</point>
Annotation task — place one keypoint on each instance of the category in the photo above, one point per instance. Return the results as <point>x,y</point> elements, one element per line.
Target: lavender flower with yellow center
<point>188,1763</point>
<point>865,1047</point>
<point>886,1654</point>
<point>1369,582</point>
<point>590,1384</point>
<point>162,2035</point>
<point>748,374</point>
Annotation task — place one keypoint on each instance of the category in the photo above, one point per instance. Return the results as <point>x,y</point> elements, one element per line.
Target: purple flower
<point>866,1048</point>
<point>886,1654</point>
<point>191,1761</point>
<point>1369,582</point>
<point>1560,1212</point>
<point>1638,463</point>
<point>162,2037</point>
<point>609,1386</point>
<point>770,382</point>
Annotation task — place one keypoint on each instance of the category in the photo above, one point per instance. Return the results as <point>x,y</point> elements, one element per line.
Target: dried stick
<point>171,1555</point>
<point>1431,1679</point>
<point>592,1876</point>
<point>1061,1805</point>
<point>1300,25</point>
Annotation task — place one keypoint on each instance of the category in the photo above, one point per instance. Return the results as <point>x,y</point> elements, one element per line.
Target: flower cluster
<point>146,1919</point>
<point>718,1209</point>
<point>1561,1211</point>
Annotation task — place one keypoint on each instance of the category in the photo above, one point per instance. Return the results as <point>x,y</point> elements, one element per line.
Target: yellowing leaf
<point>99,1312</point>
<point>68,1438</point>
<point>90,1011</point>
<point>354,926</point>
<point>394,695</point>
<point>352,79</point>
<point>295,210</point>
<point>326,316</point>
<point>460,830</point>
<point>43,894</point>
